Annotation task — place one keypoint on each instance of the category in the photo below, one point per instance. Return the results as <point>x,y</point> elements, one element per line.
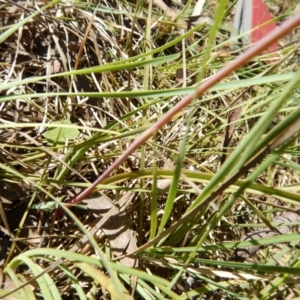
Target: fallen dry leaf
<point>115,224</point>
<point>242,254</point>
<point>163,184</point>
<point>55,66</point>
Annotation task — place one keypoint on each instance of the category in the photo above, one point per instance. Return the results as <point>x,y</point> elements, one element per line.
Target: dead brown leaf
<point>115,224</point>
<point>55,66</point>
<point>242,254</point>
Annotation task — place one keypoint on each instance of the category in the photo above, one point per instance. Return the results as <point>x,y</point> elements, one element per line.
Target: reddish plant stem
<point>232,66</point>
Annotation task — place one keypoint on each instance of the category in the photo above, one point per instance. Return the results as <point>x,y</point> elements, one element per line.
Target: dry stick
<point>88,29</point>
<point>281,31</point>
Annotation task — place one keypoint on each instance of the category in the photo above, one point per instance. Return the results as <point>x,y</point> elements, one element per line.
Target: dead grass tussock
<point>78,35</point>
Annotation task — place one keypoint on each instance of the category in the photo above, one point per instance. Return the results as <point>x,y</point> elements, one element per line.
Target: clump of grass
<point>79,84</point>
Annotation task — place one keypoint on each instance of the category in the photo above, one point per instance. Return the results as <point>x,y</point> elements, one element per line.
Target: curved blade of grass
<point>104,260</point>
<point>46,284</point>
<point>66,271</point>
<point>22,292</point>
<point>99,69</point>
<point>102,280</point>
<point>75,282</point>
<point>226,86</point>
<point>28,288</point>
<point>76,257</point>
<point>195,176</point>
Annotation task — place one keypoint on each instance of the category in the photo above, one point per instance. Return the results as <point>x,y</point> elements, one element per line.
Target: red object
<point>253,20</point>
<point>261,20</point>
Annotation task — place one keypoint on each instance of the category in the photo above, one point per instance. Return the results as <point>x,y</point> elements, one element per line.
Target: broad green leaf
<point>60,135</point>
